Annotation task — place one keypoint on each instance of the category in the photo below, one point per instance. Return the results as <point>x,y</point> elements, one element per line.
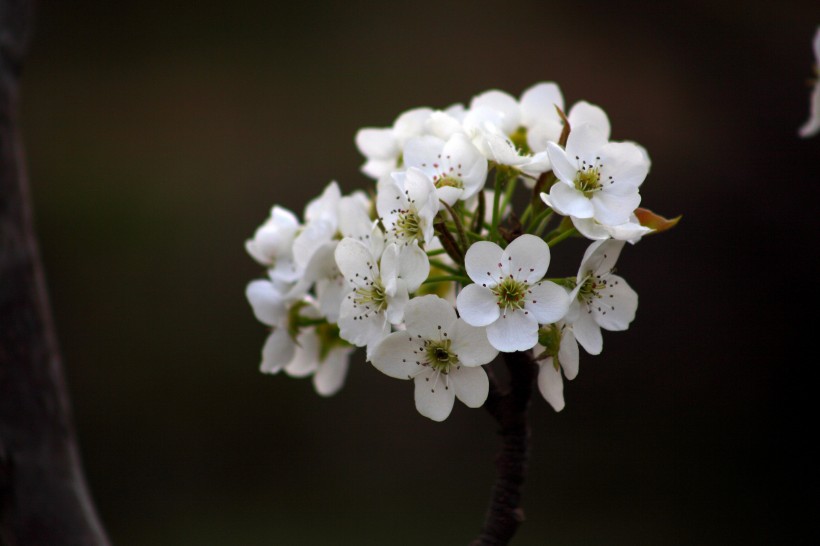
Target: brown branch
<point>510,409</point>
<point>43,495</point>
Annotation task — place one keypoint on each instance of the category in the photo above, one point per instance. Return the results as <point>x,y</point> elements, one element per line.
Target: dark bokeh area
<point>159,134</point>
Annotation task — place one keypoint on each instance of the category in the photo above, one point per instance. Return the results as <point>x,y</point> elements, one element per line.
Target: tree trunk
<point>44,499</point>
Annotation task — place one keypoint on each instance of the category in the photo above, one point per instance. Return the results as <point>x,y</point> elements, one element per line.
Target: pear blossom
<point>407,204</point>
<point>321,222</point>
<point>596,178</point>
<point>441,353</point>
<point>456,167</point>
<point>600,298</point>
<point>315,351</point>
<point>377,297</point>
<point>383,146</point>
<point>509,296</point>
<point>561,353</point>
<point>319,353</point>
<point>812,125</point>
<point>272,244</point>
<point>347,217</point>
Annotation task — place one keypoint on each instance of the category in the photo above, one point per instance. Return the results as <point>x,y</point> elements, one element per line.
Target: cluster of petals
<point>385,270</point>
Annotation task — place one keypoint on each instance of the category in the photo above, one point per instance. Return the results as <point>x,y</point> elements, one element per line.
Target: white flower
<point>321,222</point>
<point>317,244</point>
<point>318,352</point>
<point>272,244</point>
<point>596,179</point>
<point>456,167</point>
<point>600,299</point>
<point>377,298</point>
<point>812,125</point>
<point>441,353</point>
<point>509,296</point>
<point>549,130</point>
<point>407,204</point>
<point>561,355</point>
<point>299,351</point>
<point>383,146</point>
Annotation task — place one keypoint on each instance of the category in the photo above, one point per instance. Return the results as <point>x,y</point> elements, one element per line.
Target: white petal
<point>397,302</point>
<point>377,143</point>
<point>539,136</point>
<point>547,302</point>
<point>471,345</point>
<point>377,168</point>
<point>568,354</point>
<point>389,198</point>
<point>617,305</point>
<point>527,258</point>
<point>583,112</point>
<point>419,187</point>
<point>585,142</point>
<point>434,398</point>
<point>564,167</point>
<point>471,385</point>
<point>267,302</point>
<point>571,201</point>
<point>359,328</point>
<point>449,194</point>
<point>306,355</point>
<point>411,123</point>
<point>612,210</point>
<point>398,355</point>
<point>483,263</point>
<point>277,351</point>
<point>431,317</point>
<point>477,305</point>
<point>588,333</point>
<point>356,263</point>
<point>513,331</point>
<point>442,125</point>
<point>389,265</point>
<point>812,126</point>
<point>414,266</point>
<point>354,220</point>
<point>466,163</point>
<point>326,206</point>
<point>626,162</point>
<point>315,234</point>
<point>591,229</point>
<point>600,257</point>
<point>538,104</point>
<point>330,376</point>
<point>502,103</point>
<point>551,385</point>
<point>422,152</point>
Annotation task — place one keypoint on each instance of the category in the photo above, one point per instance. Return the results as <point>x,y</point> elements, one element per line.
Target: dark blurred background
<point>160,133</point>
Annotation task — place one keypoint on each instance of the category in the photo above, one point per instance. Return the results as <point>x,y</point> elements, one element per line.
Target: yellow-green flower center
<point>408,226</point>
<point>439,355</point>
<point>371,297</point>
<point>510,293</point>
<point>588,180</point>
<point>449,181</point>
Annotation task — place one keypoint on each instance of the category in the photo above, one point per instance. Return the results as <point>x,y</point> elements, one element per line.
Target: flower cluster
<point>447,264</point>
